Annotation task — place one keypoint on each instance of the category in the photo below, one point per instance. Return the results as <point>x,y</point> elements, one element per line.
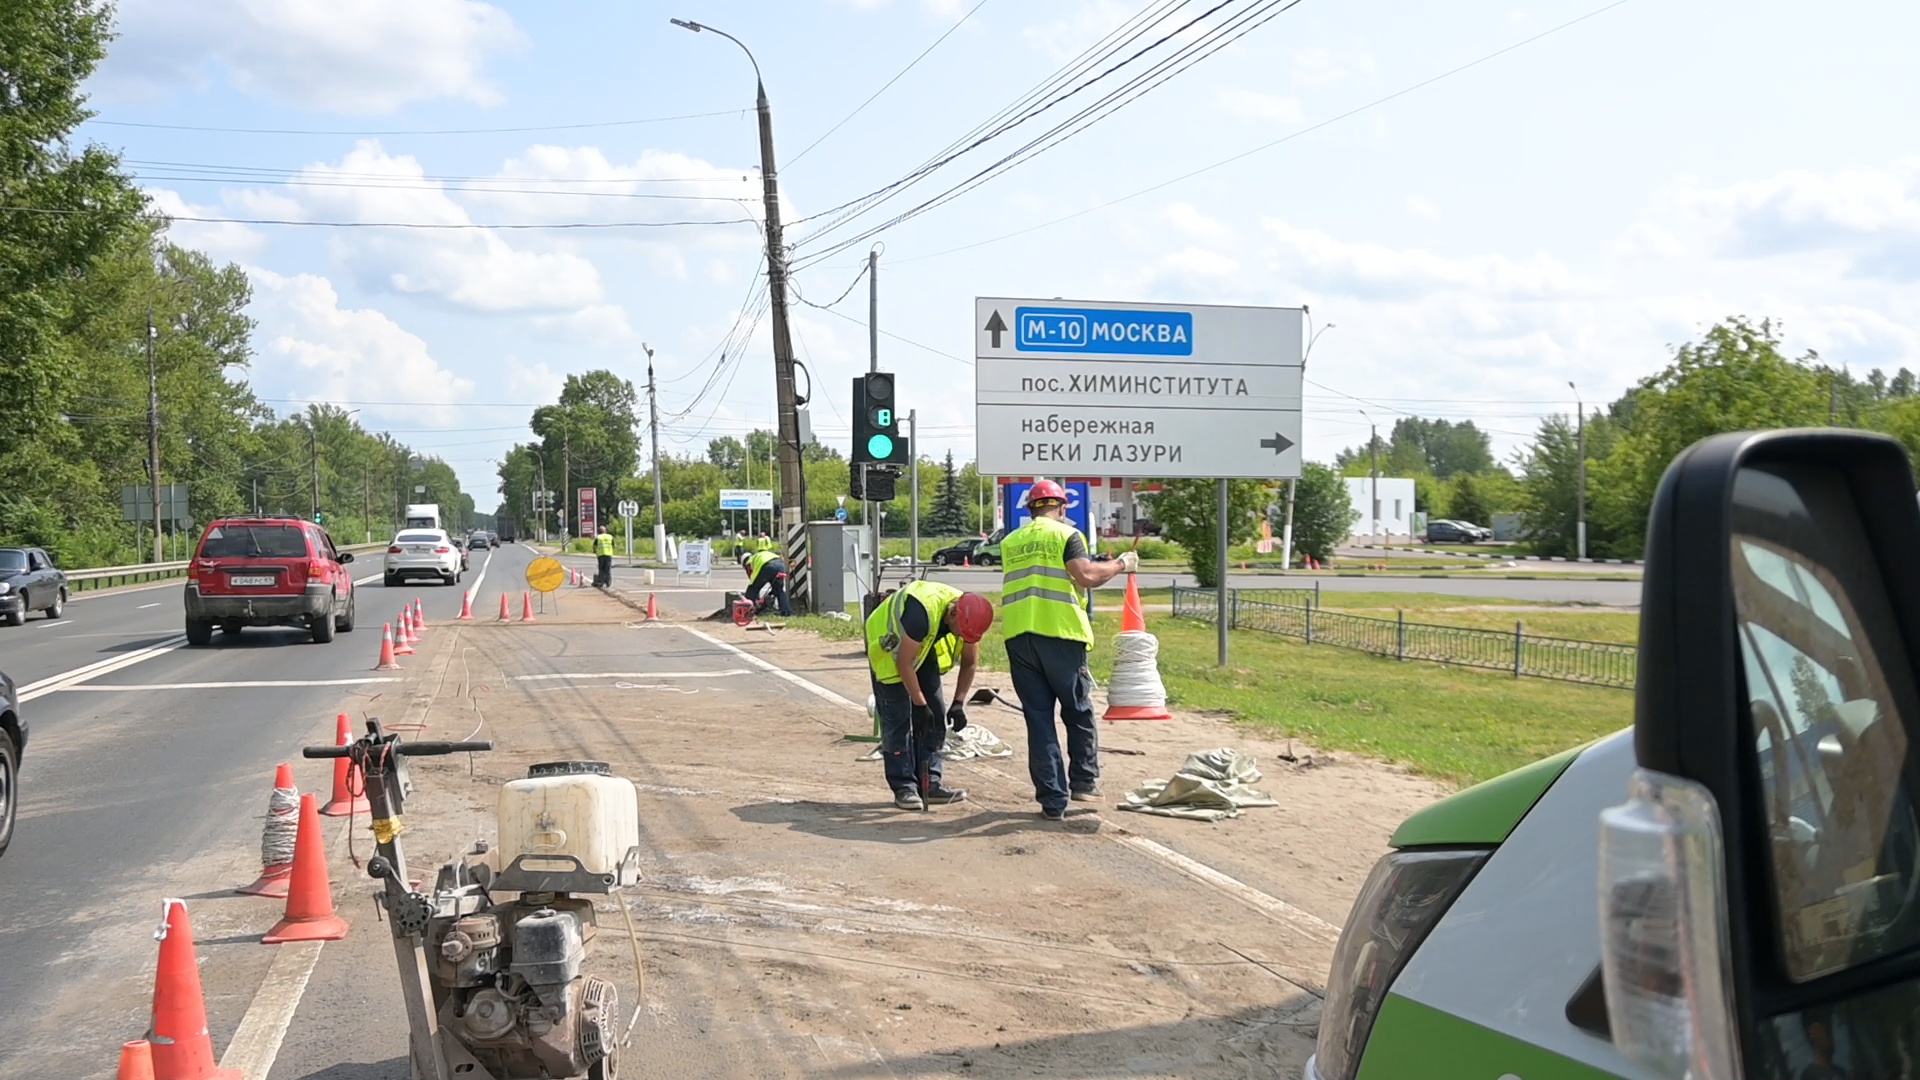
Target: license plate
<point>419,549</point>
<point>251,579</point>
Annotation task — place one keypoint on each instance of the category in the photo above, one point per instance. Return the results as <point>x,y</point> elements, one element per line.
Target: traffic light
<point>876,422</point>
<point>871,482</point>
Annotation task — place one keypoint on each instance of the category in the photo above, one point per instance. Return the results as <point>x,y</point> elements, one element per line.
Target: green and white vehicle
<point>1752,908</point>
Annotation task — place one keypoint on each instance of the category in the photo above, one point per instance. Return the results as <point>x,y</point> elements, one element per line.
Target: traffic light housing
<point>875,483</point>
<point>876,421</point>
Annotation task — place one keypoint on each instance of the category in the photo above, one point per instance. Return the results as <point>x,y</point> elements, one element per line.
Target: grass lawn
<point>1578,621</point>
<point>1452,724</point>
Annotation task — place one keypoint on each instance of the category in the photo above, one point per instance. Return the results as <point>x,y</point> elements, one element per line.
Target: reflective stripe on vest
<point>1038,594</point>
<point>885,622</point>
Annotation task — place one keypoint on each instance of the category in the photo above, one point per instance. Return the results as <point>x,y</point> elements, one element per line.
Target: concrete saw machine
<point>496,988</point>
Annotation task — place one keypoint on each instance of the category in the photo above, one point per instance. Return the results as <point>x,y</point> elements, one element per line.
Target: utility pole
<point>659,503</point>
<point>1373,449</point>
<point>1580,511</point>
<point>913,502</point>
<point>153,435</point>
<point>793,478</point>
<point>366,500</point>
<point>1286,533</point>
<point>566,478</point>
<point>873,364</point>
<point>313,447</point>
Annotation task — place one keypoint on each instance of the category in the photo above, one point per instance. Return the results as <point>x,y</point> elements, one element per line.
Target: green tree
<point>1189,512</point>
<point>1323,513</point>
<point>949,516</point>
<point>1549,493</point>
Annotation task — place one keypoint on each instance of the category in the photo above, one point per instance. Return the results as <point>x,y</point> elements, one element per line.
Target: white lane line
<point>1305,922</point>
<point>97,668</point>
<point>257,1041</point>
<point>110,688</point>
<point>778,672</point>
<point>144,607</point>
<point>635,675</point>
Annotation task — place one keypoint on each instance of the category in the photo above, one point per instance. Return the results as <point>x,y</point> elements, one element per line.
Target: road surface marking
<point>116,687</point>
<point>96,669</point>
<point>144,607</point>
<point>257,1042</point>
<point>475,587</point>
<point>729,673</point>
<point>779,672</point>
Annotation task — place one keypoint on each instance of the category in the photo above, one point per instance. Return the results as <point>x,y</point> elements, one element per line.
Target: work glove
<point>1129,561</point>
<point>956,717</point>
<point>923,718</point>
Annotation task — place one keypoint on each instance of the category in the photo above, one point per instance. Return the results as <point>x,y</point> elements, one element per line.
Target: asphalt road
<point>147,774</point>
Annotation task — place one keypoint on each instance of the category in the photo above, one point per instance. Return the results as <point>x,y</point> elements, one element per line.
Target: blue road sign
<point>1079,506</point>
<point>840,514</point>
<point>1103,331</point>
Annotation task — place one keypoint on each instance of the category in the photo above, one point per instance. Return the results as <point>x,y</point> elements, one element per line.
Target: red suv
<point>268,572</point>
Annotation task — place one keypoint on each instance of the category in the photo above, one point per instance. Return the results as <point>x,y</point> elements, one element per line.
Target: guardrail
<point>1598,663</point>
<point>96,578</point>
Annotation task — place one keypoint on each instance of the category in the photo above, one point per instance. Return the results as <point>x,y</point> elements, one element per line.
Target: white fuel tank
<point>576,808</point>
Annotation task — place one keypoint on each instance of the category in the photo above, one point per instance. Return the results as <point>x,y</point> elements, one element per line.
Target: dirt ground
<point>793,923</point>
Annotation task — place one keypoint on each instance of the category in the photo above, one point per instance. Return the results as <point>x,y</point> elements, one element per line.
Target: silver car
<point>418,553</point>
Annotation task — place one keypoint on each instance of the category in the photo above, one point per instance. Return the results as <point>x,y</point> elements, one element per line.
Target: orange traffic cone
<point>310,914</point>
<point>345,801</point>
<point>466,607</point>
<point>276,867</point>
<point>1133,619</point>
<point>387,662</point>
<point>406,626</point>
<point>180,1048</point>
<point>400,645</point>
<point>653,609</point>
<point>966,560</point>
<point>506,615</point>
<point>419,616</point>
<point>136,1061</point>
<point>526,606</point>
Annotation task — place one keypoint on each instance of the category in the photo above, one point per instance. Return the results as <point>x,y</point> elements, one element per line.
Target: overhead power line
<point>432,225</point>
<point>407,186</point>
<point>244,171</point>
<point>420,131</point>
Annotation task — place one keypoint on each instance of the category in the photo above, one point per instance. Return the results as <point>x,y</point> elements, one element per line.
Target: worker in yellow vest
<point>913,638</point>
<point>767,571</point>
<point>603,557</point>
<point>1044,617</point>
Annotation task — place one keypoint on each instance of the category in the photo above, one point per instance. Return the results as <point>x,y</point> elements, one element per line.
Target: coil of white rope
<point>283,824</point>
<point>1136,672</point>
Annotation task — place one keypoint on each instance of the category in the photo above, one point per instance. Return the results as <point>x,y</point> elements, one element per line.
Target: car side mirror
<point>346,557</point>
<point>1760,890</point>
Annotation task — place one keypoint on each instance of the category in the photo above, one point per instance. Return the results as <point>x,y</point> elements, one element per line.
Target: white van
<point>423,516</point>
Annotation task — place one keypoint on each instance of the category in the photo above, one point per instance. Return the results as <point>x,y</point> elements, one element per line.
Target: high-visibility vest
<point>884,623</point>
<point>758,562</point>
<point>1037,595</point>
<point>603,544</point>
<point>764,544</point>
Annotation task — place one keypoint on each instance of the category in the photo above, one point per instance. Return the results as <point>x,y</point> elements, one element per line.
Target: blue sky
<point>1568,210</point>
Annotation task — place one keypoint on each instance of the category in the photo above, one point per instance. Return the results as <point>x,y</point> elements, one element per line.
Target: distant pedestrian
<point>1043,614</point>
<point>913,638</point>
<point>603,554</point>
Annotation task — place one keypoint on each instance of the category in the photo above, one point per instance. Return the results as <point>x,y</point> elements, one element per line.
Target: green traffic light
<point>880,447</point>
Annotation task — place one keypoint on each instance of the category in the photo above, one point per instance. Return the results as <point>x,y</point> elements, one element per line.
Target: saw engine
<point>510,996</point>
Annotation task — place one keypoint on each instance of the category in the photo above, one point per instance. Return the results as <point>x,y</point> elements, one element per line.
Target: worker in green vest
<point>922,628</point>
<point>603,556</point>
<point>1044,617</point>
<point>766,571</point>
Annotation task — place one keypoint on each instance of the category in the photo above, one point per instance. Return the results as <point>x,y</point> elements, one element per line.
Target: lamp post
<point>793,479</point>
<point>1580,511</point>
<point>1286,533</point>
<point>1373,449</point>
<point>659,502</point>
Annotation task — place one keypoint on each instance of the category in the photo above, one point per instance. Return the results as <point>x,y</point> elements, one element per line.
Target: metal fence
<point>1296,613</point>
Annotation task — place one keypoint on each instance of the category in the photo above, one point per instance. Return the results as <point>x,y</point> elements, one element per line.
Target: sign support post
<point>1220,570</point>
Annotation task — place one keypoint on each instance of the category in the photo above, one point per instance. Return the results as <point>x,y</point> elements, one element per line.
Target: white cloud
<point>1265,108</point>
<point>1376,271</point>
<point>601,324</point>
<point>350,56</point>
<point>222,241</point>
<point>1868,217</point>
<point>311,347</point>
<point>469,268</point>
<point>560,183</point>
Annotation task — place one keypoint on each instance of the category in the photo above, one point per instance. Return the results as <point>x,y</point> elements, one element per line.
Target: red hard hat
<point>1045,489</point>
<point>972,616</point>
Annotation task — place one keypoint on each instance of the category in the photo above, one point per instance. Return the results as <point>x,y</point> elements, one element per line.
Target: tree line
<point>98,309</point>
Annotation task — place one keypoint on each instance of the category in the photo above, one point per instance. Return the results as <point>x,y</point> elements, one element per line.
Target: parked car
<point>1446,531</point>
<point>13,741</point>
<point>988,553</point>
<point>268,571</point>
<point>29,581</point>
<point>418,553</point>
<point>956,554</point>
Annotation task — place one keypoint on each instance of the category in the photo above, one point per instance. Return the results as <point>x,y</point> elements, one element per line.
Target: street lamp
<point>1580,513</point>
<point>793,478</point>
<point>1373,449</point>
<point>1286,533</point>
<point>659,503</point>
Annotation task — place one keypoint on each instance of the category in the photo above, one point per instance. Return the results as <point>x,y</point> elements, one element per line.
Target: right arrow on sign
<point>1278,444</point>
<point>995,326</point>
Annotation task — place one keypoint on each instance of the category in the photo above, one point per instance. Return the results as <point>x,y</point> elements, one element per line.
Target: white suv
<point>423,553</point>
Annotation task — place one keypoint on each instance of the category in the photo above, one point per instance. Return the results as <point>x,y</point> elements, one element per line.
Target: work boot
<point>1054,813</point>
<point>1091,794</point>
<point>908,799</point>
<point>939,795</point>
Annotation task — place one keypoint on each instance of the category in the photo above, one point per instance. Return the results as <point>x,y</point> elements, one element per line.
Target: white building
<point>1391,499</point>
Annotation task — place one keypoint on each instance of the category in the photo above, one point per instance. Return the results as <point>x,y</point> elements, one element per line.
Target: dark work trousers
<point>769,578</point>
<point>604,578</point>
<point>1046,671</point>
<point>896,723</point>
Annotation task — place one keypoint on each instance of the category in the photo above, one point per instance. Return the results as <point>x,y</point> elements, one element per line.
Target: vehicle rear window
<point>253,541</point>
<point>13,560</point>
<point>420,538</point>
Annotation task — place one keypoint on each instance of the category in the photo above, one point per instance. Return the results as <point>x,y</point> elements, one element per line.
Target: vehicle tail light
<point>1403,899</point>
<point>441,550</point>
<point>394,550</point>
<point>316,571</point>
<point>1664,956</point>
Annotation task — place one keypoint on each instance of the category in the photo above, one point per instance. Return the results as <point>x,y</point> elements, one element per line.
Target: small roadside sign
<point>745,499</point>
<point>696,559</point>
<point>1100,388</point>
<point>629,508</point>
<point>545,574</point>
